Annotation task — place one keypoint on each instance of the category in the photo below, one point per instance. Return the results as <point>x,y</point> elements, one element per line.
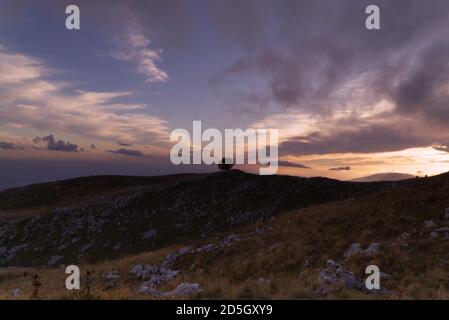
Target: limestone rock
<point>335,275</point>
<point>353,250</point>
<point>184,289</point>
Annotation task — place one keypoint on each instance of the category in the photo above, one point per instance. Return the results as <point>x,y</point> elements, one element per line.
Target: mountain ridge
<point>386,176</point>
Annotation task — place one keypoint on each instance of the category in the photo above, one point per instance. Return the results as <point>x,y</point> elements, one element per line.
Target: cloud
<point>284,163</point>
<point>56,145</point>
<point>372,137</point>
<point>7,145</point>
<point>134,46</point>
<point>18,68</point>
<point>340,169</point>
<point>441,148</point>
<point>124,144</point>
<point>313,58</point>
<point>29,99</point>
<point>126,152</point>
<point>330,69</point>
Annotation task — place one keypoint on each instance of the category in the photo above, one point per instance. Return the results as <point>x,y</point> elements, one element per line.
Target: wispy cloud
<point>28,99</point>
<point>340,169</point>
<point>7,145</point>
<point>134,46</point>
<point>17,68</point>
<point>127,152</point>
<point>284,163</point>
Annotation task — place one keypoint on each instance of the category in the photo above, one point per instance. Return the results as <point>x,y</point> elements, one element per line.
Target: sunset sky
<point>348,102</point>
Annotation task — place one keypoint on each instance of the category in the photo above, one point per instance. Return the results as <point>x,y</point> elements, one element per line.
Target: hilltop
<point>388,176</point>
<point>103,217</point>
<point>233,234</point>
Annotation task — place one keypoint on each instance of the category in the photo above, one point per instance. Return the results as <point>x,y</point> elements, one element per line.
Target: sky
<point>348,102</point>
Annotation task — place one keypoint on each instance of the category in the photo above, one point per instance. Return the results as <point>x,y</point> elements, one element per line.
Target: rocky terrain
<point>96,218</point>
<point>226,235</point>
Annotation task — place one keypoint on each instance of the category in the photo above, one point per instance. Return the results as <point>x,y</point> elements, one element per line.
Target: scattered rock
<point>446,213</point>
<point>206,248</point>
<point>147,288</point>
<point>353,250</point>
<point>356,248</point>
<point>443,229</point>
<point>15,292</point>
<point>170,258</point>
<point>184,289</point>
<point>334,275</point>
<point>154,274</point>
<point>372,249</point>
<point>429,224</point>
<point>111,275</point>
<point>14,250</point>
<point>185,250</point>
<point>118,246</point>
<point>54,260</point>
<point>433,235</point>
<point>261,281</point>
<point>149,234</point>
<point>137,269</point>
<point>404,236</point>
<point>229,241</point>
<point>86,247</point>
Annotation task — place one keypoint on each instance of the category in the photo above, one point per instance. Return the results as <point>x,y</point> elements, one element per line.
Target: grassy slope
<point>103,212</point>
<point>38,197</point>
<point>418,266</point>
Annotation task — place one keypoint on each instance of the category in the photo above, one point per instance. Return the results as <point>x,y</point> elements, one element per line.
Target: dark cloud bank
<point>7,145</point>
<point>316,49</point>
<point>56,145</point>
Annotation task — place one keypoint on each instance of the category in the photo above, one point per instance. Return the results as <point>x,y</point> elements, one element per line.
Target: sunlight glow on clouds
<point>28,99</point>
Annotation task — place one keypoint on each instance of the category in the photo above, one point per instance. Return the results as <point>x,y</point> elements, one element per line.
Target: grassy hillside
<point>90,219</point>
<point>282,255</point>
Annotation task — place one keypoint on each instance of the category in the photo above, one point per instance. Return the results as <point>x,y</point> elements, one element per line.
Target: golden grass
<point>418,269</point>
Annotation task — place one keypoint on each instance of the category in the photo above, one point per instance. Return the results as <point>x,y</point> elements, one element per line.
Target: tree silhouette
<point>225,166</point>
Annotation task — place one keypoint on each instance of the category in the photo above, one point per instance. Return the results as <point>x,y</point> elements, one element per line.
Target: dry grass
<point>418,267</point>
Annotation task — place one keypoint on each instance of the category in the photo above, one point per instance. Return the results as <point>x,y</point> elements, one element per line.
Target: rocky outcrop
<point>153,275</point>
<point>333,276</point>
<point>184,289</point>
<point>16,292</point>
<point>429,224</point>
<point>356,248</point>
